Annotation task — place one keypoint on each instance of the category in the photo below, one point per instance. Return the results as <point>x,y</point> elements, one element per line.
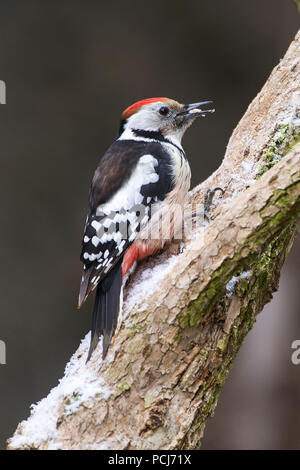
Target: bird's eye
<point>164,110</point>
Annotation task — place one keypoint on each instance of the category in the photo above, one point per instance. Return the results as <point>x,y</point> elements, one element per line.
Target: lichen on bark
<point>286,135</point>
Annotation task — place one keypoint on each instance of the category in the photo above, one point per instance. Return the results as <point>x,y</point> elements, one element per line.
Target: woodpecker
<point>143,176</point>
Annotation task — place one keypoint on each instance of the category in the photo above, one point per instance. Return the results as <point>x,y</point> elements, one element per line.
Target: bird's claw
<point>208,199</point>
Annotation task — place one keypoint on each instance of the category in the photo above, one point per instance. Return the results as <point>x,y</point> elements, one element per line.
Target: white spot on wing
<point>121,246</point>
<point>95,241</point>
<point>96,224</point>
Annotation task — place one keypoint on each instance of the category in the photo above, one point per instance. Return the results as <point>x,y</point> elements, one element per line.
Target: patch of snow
<point>142,308</point>
<point>246,274</point>
<point>230,286</point>
<point>296,122</point>
<point>244,176</point>
<point>147,282</point>
<point>109,444</point>
<point>79,384</point>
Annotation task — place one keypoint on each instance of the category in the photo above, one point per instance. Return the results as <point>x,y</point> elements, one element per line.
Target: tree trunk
<point>186,315</point>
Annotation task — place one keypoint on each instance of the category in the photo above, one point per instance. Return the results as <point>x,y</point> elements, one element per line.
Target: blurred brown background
<point>70,68</point>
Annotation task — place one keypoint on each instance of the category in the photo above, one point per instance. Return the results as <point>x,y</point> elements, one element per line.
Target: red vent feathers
<point>136,106</point>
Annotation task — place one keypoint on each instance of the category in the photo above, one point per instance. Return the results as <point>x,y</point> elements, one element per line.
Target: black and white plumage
<point>140,177</point>
<point>143,174</point>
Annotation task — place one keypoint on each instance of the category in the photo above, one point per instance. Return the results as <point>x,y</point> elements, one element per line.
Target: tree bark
<point>186,315</point>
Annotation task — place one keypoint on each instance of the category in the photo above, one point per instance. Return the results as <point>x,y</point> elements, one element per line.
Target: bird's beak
<point>195,109</point>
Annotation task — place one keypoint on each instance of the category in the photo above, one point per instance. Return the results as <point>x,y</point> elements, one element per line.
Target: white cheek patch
<point>147,118</point>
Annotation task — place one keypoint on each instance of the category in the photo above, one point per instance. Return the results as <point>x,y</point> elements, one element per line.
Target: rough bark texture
<point>173,352</point>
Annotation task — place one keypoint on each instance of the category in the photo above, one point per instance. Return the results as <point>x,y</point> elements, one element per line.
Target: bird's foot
<point>208,200</point>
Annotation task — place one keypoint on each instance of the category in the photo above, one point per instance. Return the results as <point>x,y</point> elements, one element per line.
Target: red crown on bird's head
<point>136,106</point>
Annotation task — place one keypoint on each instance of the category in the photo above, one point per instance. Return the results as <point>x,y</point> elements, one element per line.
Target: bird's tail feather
<point>106,309</point>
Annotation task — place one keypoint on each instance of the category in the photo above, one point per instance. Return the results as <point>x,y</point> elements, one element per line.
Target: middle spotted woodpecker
<point>140,181</point>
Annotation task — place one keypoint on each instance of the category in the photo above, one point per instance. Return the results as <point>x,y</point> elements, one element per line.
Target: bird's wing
<point>131,177</point>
